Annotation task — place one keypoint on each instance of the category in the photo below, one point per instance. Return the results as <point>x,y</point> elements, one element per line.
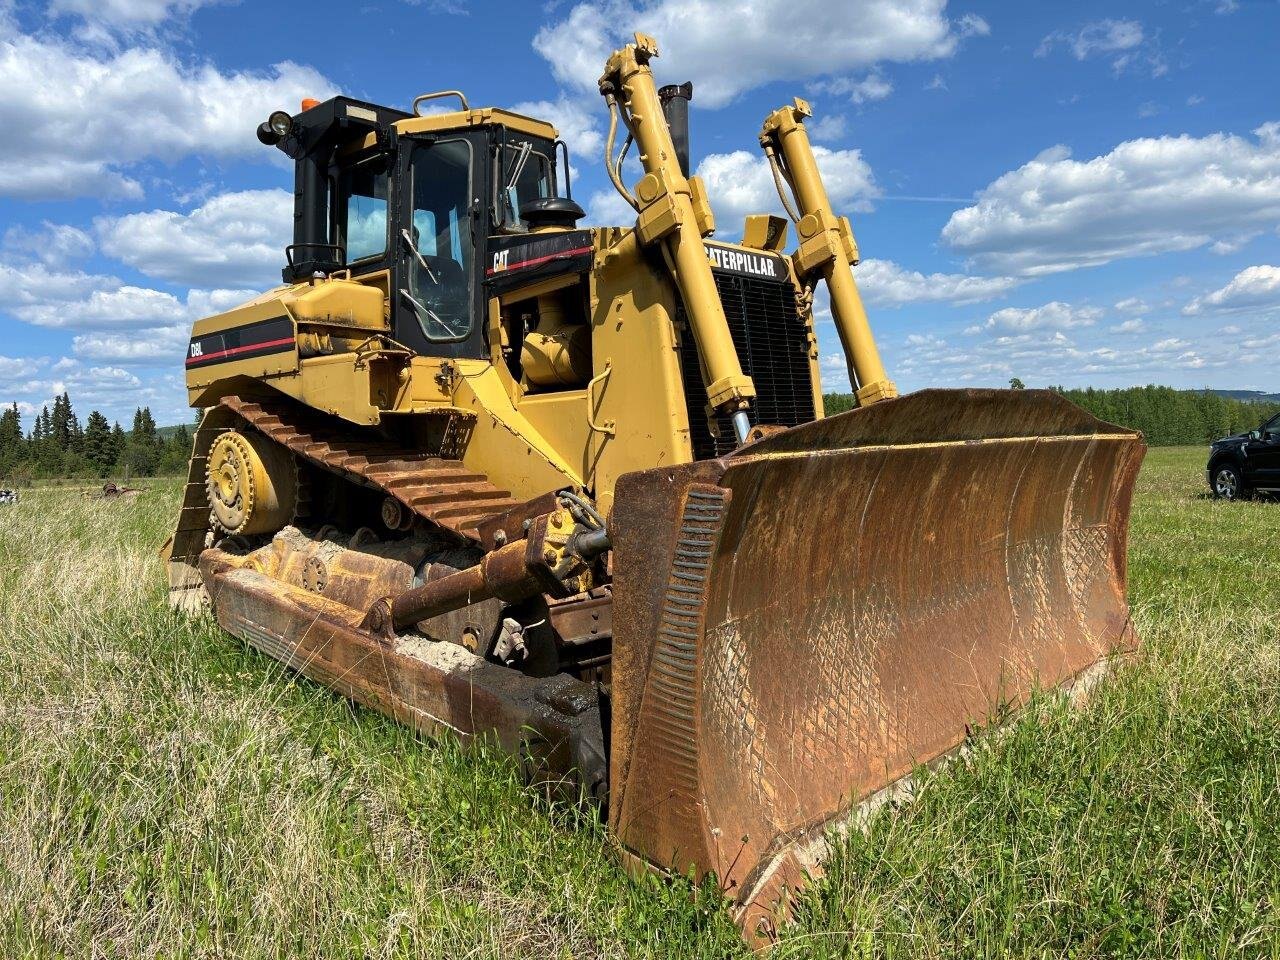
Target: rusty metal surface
<point>800,624</point>
<point>552,724</point>
<point>514,524</point>
<point>442,491</point>
<point>584,618</point>
<point>191,535</point>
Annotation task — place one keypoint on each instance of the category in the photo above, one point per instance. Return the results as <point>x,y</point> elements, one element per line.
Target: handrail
<point>607,428</point>
<point>436,96</point>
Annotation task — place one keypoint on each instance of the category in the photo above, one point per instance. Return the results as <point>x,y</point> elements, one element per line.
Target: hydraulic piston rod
<point>827,247</point>
<point>674,213</point>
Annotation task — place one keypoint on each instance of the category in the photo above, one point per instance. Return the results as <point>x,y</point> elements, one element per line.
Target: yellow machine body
<point>511,479</point>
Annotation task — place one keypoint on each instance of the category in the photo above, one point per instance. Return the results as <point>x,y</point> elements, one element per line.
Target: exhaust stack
<point>675,107</point>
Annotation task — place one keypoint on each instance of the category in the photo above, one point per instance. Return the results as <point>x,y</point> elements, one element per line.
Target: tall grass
<point>165,792</point>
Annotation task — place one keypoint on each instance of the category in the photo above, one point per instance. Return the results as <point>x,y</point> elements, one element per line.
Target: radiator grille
<point>773,348</point>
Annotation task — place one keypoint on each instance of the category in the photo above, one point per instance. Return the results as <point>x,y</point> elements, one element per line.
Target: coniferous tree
<point>176,452</point>
<point>10,429</point>
<point>40,429</point>
<point>143,452</point>
<point>62,416</point>
<point>144,425</point>
<point>118,442</point>
<point>12,442</point>
<point>98,448</point>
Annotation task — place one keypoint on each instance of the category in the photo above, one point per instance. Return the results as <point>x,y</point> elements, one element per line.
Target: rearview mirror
<point>1255,434</point>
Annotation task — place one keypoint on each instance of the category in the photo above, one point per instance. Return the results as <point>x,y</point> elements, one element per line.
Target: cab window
<point>361,211</point>
<point>523,173</point>
<point>1271,429</point>
<point>440,273</point>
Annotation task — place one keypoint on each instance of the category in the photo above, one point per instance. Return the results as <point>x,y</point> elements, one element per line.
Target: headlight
<point>280,123</point>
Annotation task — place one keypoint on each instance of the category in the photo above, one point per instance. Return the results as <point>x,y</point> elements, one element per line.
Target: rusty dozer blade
<point>802,623</point>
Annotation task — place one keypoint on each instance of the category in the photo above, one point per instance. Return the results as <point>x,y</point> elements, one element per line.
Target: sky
<point>1083,194</point>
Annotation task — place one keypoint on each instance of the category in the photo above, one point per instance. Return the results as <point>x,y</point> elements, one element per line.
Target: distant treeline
<point>57,445</point>
<point>1166,417</point>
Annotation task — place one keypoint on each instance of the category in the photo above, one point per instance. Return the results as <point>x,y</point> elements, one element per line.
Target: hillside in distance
<point>1249,396</point>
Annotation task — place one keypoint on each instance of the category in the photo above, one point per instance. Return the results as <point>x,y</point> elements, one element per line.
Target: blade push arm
<point>673,213</point>
<point>827,247</point>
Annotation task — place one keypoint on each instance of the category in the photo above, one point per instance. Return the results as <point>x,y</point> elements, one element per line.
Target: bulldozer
<point>572,489</point>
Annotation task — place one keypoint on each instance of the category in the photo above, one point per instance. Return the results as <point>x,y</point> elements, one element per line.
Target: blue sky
<point>1079,194</point>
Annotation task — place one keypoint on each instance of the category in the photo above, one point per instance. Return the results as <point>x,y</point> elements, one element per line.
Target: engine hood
<point>1231,441</point>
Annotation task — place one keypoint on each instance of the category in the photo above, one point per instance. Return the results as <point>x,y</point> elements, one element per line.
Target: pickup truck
<point>1246,463</point>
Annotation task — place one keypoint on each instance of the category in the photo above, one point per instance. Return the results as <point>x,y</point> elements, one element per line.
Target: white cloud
<point>1132,305</point>
<point>88,386</point>
<point>925,340</point>
<point>1052,356</point>
<point>1258,343</point>
<point>76,120</point>
<point>1098,37</point>
<point>1145,197</point>
<point>15,372</point>
<point>1253,288</point>
<point>1233,244</point>
<point>127,15</point>
<point>830,126</point>
<point>165,344</point>
<point>740,183</point>
<point>871,87</point>
<point>53,243</point>
<point>44,296</point>
<point>33,285</point>
<point>885,283</point>
<point>574,121</point>
<point>231,239</point>
<point>728,48</point>
<point>108,387</point>
<point>606,208</point>
<point>1052,316</point>
<point>1134,325</point>
<point>124,306</point>
<point>1124,41</point>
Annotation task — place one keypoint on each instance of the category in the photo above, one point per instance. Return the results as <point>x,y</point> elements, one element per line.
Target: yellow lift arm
<point>674,213</point>
<point>827,247</point>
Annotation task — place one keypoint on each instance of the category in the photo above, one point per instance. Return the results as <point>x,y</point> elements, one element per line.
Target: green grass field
<point>164,792</point>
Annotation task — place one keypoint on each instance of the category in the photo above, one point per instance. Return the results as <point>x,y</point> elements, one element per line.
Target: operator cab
<point>419,206</point>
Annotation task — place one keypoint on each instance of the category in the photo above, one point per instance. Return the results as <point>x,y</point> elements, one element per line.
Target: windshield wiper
<point>522,158</point>
<point>422,261</point>
<point>425,311</point>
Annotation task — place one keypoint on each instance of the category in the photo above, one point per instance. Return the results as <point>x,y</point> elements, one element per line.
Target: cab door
<point>1264,454</point>
<point>436,301</point>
